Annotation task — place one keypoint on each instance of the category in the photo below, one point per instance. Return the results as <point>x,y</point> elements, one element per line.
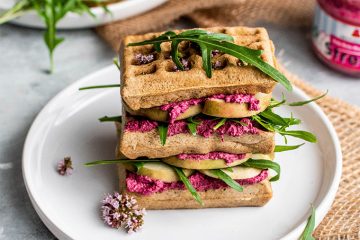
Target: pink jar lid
<point>347,11</point>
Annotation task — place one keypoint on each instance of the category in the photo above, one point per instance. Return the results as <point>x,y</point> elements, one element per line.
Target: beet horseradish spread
<point>227,157</point>
<point>336,34</point>
<point>146,186</point>
<point>205,127</point>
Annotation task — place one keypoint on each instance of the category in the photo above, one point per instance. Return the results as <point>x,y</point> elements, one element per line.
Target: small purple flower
<point>64,167</point>
<point>119,210</point>
<point>141,59</point>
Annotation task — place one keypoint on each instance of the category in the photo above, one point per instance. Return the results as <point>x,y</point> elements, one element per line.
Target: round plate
<point>70,205</point>
<point>119,11</point>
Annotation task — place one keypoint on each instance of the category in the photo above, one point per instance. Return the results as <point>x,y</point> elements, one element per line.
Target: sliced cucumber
<point>157,170</point>
<point>203,164</point>
<point>237,172</point>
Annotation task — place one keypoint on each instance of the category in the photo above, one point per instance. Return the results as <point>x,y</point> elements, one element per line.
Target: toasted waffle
<point>157,82</point>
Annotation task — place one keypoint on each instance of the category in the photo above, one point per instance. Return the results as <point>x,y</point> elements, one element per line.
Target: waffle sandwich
<point>188,136</point>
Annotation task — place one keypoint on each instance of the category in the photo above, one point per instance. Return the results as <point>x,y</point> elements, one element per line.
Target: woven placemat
<point>343,220</point>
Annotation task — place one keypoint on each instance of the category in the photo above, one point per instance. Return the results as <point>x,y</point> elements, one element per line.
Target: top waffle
<point>158,82</point>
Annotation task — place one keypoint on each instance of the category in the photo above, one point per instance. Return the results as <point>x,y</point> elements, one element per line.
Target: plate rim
<point>322,209</point>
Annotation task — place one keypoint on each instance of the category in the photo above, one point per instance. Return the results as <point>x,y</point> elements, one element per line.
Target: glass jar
<point>336,34</point>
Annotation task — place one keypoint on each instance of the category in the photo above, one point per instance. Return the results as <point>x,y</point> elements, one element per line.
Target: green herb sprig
<point>310,226</point>
<point>227,179</point>
<point>283,148</point>
<point>208,42</point>
<point>275,123</point>
<point>51,12</point>
<point>264,164</point>
<point>274,103</point>
<point>111,119</point>
<point>188,185</point>
<point>163,130</point>
<point>99,86</point>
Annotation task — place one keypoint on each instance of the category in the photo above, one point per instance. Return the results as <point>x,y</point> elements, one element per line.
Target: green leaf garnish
<point>283,148</point>
<point>138,165</point>
<point>215,41</point>
<point>116,62</point>
<point>307,136</point>
<point>301,103</point>
<point>273,117</point>
<point>227,179</point>
<point>192,128</point>
<point>51,12</point>
<point>271,122</point>
<point>99,86</point>
<point>310,226</point>
<point>116,161</point>
<point>188,185</point>
<point>111,119</point>
<point>264,164</point>
<point>220,123</point>
<point>163,129</point>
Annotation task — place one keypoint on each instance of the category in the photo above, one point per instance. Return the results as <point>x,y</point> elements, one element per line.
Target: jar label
<point>336,42</point>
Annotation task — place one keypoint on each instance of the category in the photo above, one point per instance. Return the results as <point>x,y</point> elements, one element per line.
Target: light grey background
<point>26,88</point>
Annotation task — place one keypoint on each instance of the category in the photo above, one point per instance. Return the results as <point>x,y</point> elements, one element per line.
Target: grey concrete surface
<point>26,88</point>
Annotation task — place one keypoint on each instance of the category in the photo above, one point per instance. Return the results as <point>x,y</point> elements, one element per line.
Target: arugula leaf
<point>16,11</point>
<point>116,161</point>
<point>310,226</point>
<point>307,136</point>
<point>227,179</point>
<point>220,123</point>
<point>111,119</point>
<point>215,41</point>
<point>301,103</point>
<point>272,123</point>
<point>273,117</point>
<point>188,185</point>
<point>99,86</point>
<point>163,129</point>
<point>264,164</point>
<point>283,148</point>
<point>138,165</point>
<point>51,12</point>
<point>192,128</point>
<point>116,62</point>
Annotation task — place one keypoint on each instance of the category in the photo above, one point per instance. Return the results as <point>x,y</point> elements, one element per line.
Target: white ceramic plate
<point>121,10</point>
<point>69,206</point>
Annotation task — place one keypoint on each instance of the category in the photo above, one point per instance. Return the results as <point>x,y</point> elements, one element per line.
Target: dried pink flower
<point>122,211</point>
<point>64,167</point>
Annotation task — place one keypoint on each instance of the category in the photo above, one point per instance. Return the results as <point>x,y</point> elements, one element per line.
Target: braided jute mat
<point>343,220</point>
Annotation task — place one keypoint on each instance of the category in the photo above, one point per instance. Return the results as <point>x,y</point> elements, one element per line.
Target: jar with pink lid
<point>336,34</point>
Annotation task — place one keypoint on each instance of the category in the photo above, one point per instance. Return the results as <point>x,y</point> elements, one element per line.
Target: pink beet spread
<point>205,128</point>
<point>146,186</point>
<point>177,127</point>
<point>227,157</point>
<point>140,125</point>
<point>239,98</point>
<point>231,128</point>
<point>177,108</point>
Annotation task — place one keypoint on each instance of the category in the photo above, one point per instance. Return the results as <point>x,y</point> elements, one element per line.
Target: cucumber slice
<point>203,164</point>
<point>157,170</point>
<point>237,172</point>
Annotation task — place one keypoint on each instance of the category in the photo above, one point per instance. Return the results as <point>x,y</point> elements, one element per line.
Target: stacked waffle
<point>191,136</point>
